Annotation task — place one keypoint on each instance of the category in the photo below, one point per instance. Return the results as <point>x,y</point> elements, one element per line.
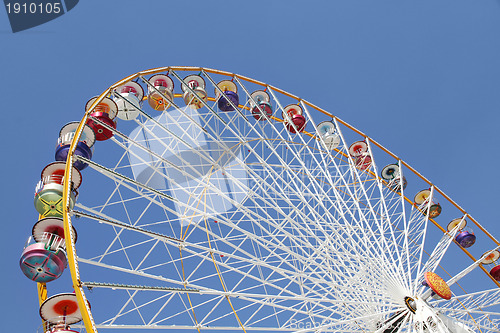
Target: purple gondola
<point>83,148</point>
<point>229,95</point>
<point>466,238</point>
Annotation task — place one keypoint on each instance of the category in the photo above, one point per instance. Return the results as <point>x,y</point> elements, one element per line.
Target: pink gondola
<point>293,118</point>
<point>44,257</point>
<point>260,105</point>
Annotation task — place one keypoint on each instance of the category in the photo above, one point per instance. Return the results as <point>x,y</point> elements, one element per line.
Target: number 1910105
<point>33,8</point>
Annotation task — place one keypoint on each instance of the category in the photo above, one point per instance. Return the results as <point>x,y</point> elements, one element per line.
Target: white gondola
<point>60,311</point>
<point>195,95</point>
<point>129,97</point>
<point>391,174</point>
<point>328,133</point>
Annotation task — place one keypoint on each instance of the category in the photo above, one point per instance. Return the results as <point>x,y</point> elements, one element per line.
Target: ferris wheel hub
<point>411,304</point>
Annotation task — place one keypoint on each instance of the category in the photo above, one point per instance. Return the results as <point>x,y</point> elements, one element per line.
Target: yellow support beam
<point>83,304</point>
<point>42,292</point>
<point>42,296</point>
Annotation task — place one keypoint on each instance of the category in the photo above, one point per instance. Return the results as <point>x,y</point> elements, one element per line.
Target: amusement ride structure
<point>208,201</point>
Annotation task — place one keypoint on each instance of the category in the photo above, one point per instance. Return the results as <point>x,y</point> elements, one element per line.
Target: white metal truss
<point>210,220</point>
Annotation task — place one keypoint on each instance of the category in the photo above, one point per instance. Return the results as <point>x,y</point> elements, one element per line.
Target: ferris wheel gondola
<point>229,96</point>
<point>44,257</point>
<point>105,112</point>
<point>328,133</point>
<point>160,92</point>
<point>128,98</point>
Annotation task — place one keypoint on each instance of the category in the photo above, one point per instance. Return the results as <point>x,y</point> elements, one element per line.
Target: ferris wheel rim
<point>73,264</point>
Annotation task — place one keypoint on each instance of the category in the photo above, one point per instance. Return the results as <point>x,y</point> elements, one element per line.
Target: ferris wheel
<point>209,201</point>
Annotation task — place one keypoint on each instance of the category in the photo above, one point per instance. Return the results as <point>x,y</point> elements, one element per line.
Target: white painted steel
<point>198,219</point>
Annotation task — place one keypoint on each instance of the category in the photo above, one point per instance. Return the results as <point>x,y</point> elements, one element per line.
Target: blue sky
<point>420,77</point>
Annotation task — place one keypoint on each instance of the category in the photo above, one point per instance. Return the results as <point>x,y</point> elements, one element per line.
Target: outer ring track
<point>70,246</point>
